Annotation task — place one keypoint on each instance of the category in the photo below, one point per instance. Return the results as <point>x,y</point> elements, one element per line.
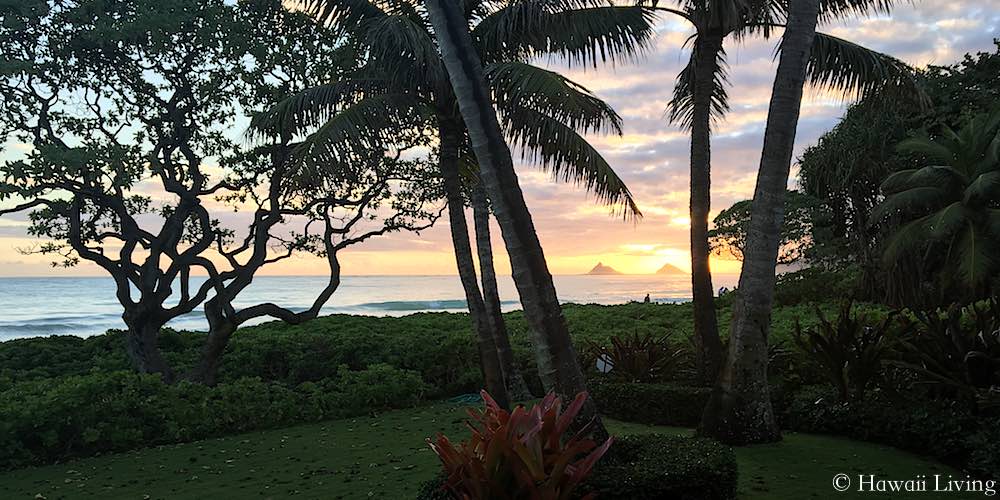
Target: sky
<point>651,156</point>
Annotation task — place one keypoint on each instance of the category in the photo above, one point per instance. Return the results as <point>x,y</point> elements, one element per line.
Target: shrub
<point>658,467</point>
<point>946,431</point>
<point>520,454</point>
<point>654,404</point>
<point>850,350</point>
<point>958,350</point>
<point>649,467</point>
<point>49,420</point>
<point>639,358</point>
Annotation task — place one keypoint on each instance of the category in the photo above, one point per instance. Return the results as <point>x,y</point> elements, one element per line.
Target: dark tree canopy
<point>128,111</point>
<point>729,235</point>
<point>846,168</point>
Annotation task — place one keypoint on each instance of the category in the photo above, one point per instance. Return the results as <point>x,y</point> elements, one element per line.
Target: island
<point>670,269</point>
<point>601,269</point>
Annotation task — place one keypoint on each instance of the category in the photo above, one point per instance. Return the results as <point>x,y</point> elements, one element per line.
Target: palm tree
<point>403,82</point>
<point>739,411</point>
<point>700,95</point>
<point>953,204</point>
<point>491,294</point>
<point>559,367</point>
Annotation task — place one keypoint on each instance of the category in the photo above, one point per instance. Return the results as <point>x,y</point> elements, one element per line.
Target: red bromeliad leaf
<point>519,454</point>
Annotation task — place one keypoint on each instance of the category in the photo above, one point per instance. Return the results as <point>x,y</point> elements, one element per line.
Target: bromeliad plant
<point>519,454</point>
<point>639,358</point>
<point>850,350</point>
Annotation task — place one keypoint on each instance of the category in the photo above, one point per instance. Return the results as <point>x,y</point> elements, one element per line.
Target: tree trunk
<point>739,410</point>
<point>557,361</point>
<point>220,330</point>
<point>451,139</point>
<point>142,348</point>
<point>516,386</point>
<point>708,346</point>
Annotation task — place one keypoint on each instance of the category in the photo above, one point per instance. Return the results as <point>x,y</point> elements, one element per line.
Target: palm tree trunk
<point>708,346</point>
<point>557,361</point>
<point>516,386</point>
<point>739,410</point>
<point>450,137</point>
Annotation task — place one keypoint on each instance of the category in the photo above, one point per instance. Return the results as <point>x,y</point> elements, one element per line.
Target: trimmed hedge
<point>650,467</point>
<point>654,404</point>
<point>56,419</point>
<point>948,432</point>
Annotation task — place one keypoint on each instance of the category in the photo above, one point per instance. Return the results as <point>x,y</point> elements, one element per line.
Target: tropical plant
<point>851,349</point>
<point>700,96</point>
<point>639,358</point>
<point>542,112</point>
<point>950,210</point>
<point>958,350</point>
<point>740,410</point>
<point>524,453</point>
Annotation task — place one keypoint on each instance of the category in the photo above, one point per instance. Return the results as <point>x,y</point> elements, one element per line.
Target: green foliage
<point>814,285</point>
<point>659,467</point>
<point>520,454</point>
<point>957,351</point>
<point>951,208</point>
<point>54,419</point>
<point>850,349</point>
<point>728,237</point>
<point>635,358</point>
<point>945,431</point>
<point>654,404</point>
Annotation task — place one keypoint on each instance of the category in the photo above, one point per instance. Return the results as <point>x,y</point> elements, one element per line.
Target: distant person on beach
<point>646,300</point>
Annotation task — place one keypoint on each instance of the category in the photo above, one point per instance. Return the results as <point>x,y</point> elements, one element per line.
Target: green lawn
<point>386,457</point>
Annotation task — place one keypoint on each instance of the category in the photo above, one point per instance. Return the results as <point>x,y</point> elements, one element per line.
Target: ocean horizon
<point>86,306</point>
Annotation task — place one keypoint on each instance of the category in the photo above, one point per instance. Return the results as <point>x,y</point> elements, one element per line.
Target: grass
<point>385,456</point>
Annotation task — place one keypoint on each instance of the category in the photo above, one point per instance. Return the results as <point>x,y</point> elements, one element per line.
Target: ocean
<point>31,307</point>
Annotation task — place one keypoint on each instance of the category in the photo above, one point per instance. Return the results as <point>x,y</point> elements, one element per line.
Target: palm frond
<point>947,221</point>
<point>373,123</point>
<point>345,15</point>
<point>928,148</point>
<point>310,108</point>
<point>830,10</point>
<point>984,190</point>
<point>583,32</point>
<point>906,239</point>
<point>523,85</point>
<point>840,65</point>
<point>977,261</point>
<point>560,150</point>
<point>915,200</point>
<point>680,109</point>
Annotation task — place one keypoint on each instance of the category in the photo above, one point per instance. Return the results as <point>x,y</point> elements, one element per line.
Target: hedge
<point>650,467</point>
<point>946,431</point>
<point>56,419</point>
<point>654,404</point>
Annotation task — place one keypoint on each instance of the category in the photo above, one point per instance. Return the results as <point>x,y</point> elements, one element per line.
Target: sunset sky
<point>651,156</point>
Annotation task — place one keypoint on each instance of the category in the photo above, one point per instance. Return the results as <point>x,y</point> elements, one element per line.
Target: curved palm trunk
<point>557,361</point>
<point>516,386</point>
<point>739,410</point>
<point>708,346</point>
<point>451,136</point>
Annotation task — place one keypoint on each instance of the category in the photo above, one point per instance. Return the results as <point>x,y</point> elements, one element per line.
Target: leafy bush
<point>520,454</point>
<point>654,404</point>
<point>814,285</point>
<point>958,350</point>
<point>634,358</point>
<point>649,467</point>
<point>947,431</point>
<point>49,420</point>
<point>658,467</point>
<point>850,350</point>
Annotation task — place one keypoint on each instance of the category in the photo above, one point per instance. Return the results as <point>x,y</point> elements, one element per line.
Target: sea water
<point>32,307</point>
